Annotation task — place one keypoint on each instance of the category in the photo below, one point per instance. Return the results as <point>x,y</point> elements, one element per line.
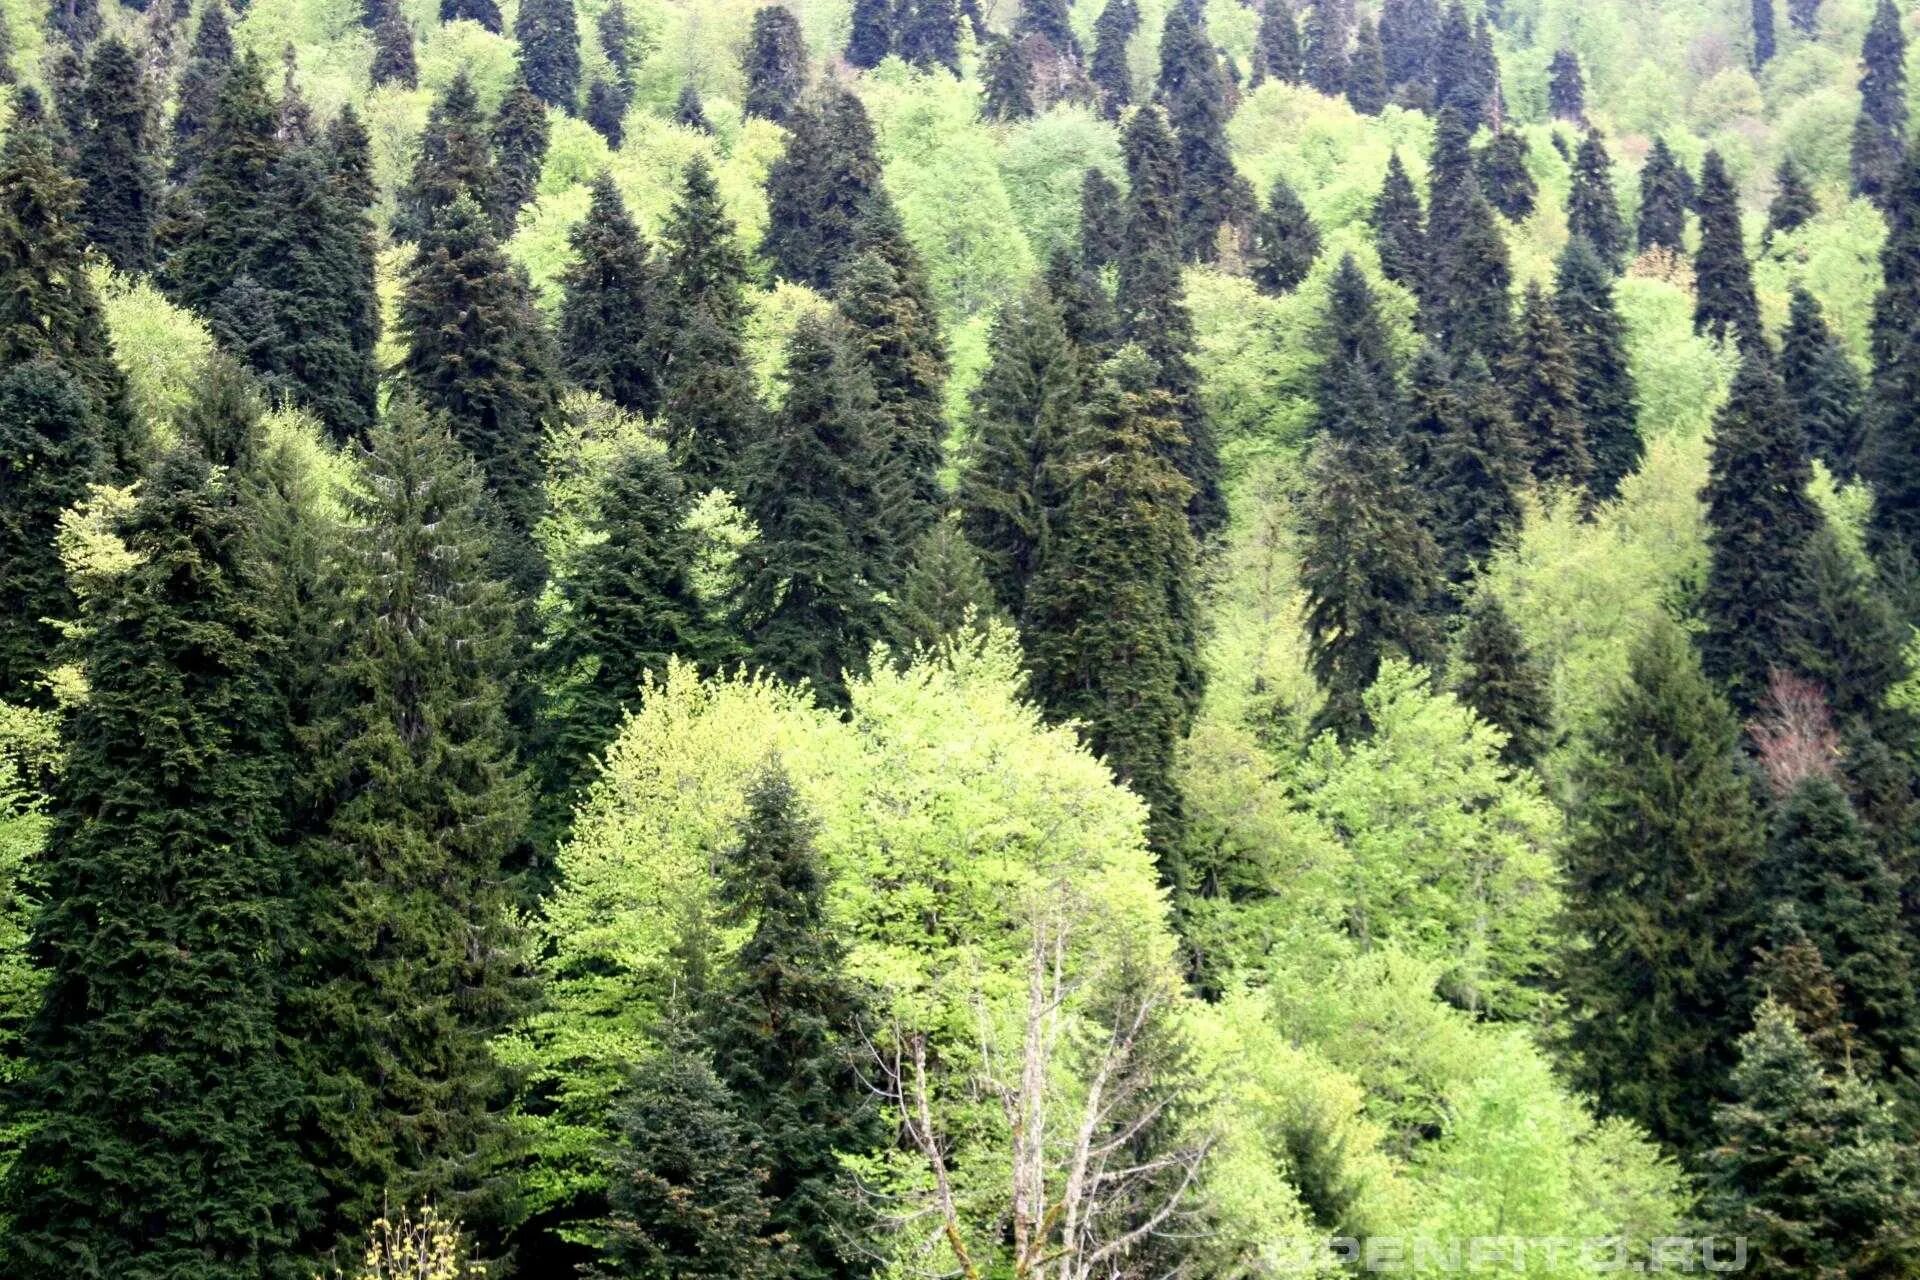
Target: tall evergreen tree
<point>50,450</point>
<point>1356,387</point>
<point>1048,20</point>
<point>689,112</point>
<point>1504,684</point>
<point>412,960</point>
<point>198,93</point>
<point>1409,30</point>
<point>1593,211</point>
<point>1103,220</point>
<point>1470,278</point>
<point>1665,193</point>
<point>455,159</point>
<point>1764,46</point>
<point>1843,633</point>
<point>945,589</point>
<point>776,64</point>
<point>1276,49</point>
<point>1539,375</point>
<point>1793,203</point>
<point>1285,241</point>
<point>1008,77</point>
<point>1109,614</point>
<point>607,111</point>
<point>1323,46</point>
<point>394,61</point>
<point>116,159</point>
<point>162,1101</point>
<point>227,197</point>
<point>611,325</point>
<point>1479,472</point>
<point>616,34</point>
<point>1724,302</point>
<point>1604,388</point>
<point>1880,132</point>
<point>1804,15</point>
<point>1824,388</point>
<point>1193,91</point>
<point>1399,227</point>
<point>1504,178</point>
<point>1566,88</point>
<point>549,40</point>
<point>1893,431</point>
<point>819,190</point>
<point>519,139</point>
<point>1367,71</point>
<point>871,38</point>
<point>1665,841</point>
<point>1460,74</point>
<point>1112,77</point>
<point>930,34</point>
<point>484,12</point>
<point>1759,520</point>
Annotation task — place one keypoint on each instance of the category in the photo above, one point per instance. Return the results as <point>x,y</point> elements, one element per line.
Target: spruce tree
<point>549,40</point>
<point>895,329</point>
<point>227,197</point>
<point>1763,38</point>
<point>1759,520</point>
<point>1409,30</point>
<point>1664,844</point>
<point>1566,88</point>
<point>1539,375</point>
<point>871,38</point>
<point>1025,413</point>
<point>1112,77</point>
<point>1880,132</point>
<point>1460,75</point>
<point>616,35</point>
<point>1008,76</point>
<point>1399,228</point>
<point>944,590</point>
<point>1276,49</point>
<point>198,93</point>
<point>1824,387</point>
<point>1050,22</point>
<point>1323,46</point>
<point>1604,389</point>
<point>1193,91</point>
<point>1109,615</point>
<point>455,159</point>
<point>412,960</point>
<point>1793,203</point>
<point>1789,970</point>
<point>1356,387</point>
<point>394,61</point>
<point>689,112</point>
<point>1086,308</point>
<point>822,484</point>
<point>519,139</point>
<point>477,353</point>
<point>1103,220</point>
<point>786,1031</point>
<point>484,12</point>
<point>1504,178</point>
<point>50,449</point>
<point>162,1100</point>
<point>1665,193</point>
<point>1593,212</point>
<point>1843,633</point>
<point>1285,241</point>
<point>612,327</point>
<point>1504,684</point>
<point>819,190</point>
<point>930,34</point>
<point>776,64</point>
<point>1470,277</point>
<point>122,189</point>
<point>1724,303</point>
<point>607,111</point>
<point>1367,71</point>
<point>1479,473</point>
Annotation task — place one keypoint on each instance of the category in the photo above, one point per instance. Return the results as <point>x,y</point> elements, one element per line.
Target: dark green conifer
<point>1804,15</point>
<point>1725,306</point>
<point>1504,177</point>
<point>1049,20</point>
<point>819,189</point>
<point>50,450</point>
<point>1112,76</point>
<point>227,196</point>
<point>394,61</point>
<point>1880,132</point>
<point>1086,308</point>
<point>1504,684</point>
<point>1285,241</point>
<point>1665,192</point>
<point>1276,49</point>
<point>1323,46</point>
<point>198,93</point>
<point>116,159</point>
<point>455,159</point>
<point>1460,75</point>
<point>929,34</point>
<point>689,112</point>
<point>872,37</point>
<point>549,40</point>
<point>1193,91</point>
<point>1103,220</point>
<point>776,64</point>
<point>1408,32</point>
<point>1789,970</point>
<point>611,312</point>
<point>615,31</point>
<point>894,328</point>
<point>1566,88</point>
<point>1367,71</point>
<point>1824,386</point>
<point>607,111</point>
<point>944,590</point>
<point>1008,91</point>
<point>1759,520</point>
<point>519,139</point>
<point>78,21</point>
<point>1604,389</point>
<point>163,1103</point>
<point>1658,893</point>
<point>1356,387</point>
<point>1843,633</point>
<point>1399,228</point>
<point>1593,211</point>
<point>484,12</point>
<point>1538,373</point>
<point>1763,38</point>
<point>1793,203</point>
<point>1469,279</point>
<point>1479,473</point>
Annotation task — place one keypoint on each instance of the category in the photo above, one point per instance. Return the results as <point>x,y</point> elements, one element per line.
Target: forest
<point>978,639</point>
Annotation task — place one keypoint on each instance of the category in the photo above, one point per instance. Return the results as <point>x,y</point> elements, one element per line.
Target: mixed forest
<point>1118,640</point>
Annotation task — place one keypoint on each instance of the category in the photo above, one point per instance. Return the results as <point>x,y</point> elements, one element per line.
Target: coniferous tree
<point>1103,220</point>
<point>822,484</point>
<point>1479,472</point>
<point>1193,92</point>
<point>786,1033</point>
<point>455,159</point>
<point>1789,970</point>
<point>895,330</point>
<point>1807,1166</point>
<point>519,138</point>
<point>122,189</point>
<point>1049,20</point>
<point>1276,50</point>
<point>1109,614</point>
<point>1459,73</point>
<point>1759,521</point>
<point>1843,633</point>
<point>1367,72</point>
<point>1008,74</point>
<point>607,111</point>
<point>819,190</point>
<point>1086,308</point>
<point>162,1101</point>
<point>615,31</point>
<point>1285,241</point>
<point>349,150</point>
<point>1323,46</point>
<point>1604,389</point>
<point>1793,203</point>
<point>1893,432</point>
<point>1356,387</point>
<point>776,64</point>
<point>198,93</point>
<point>549,40</point>
<point>1504,684</point>
<point>1451,179</point>
<point>1539,375</point>
<point>1763,38</point>
<point>227,196</point>
<point>1823,385</point>
<point>1486,62</point>
<point>1880,132</point>
<point>1566,88</point>
<point>944,590</point>
<point>1804,15</point>
<point>1470,278</point>
<point>67,81</point>
<point>1593,212</point>
<point>476,352</point>
<point>1399,228</point>
<point>689,112</point>
<point>930,34</point>
<point>611,325</point>
<point>1504,177</point>
<point>50,450</point>
<point>412,960</point>
<point>394,61</point>
<point>484,12</point>
<point>1664,844</point>
<point>1409,30</point>
<point>1112,77</point>
<point>1724,302</point>
<point>1665,192</point>
<point>871,38</point>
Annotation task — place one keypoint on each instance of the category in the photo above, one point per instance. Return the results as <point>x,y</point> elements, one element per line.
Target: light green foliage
<point>1041,164</point>
<point>1681,377</point>
<point>1331,155</point>
<point>594,436</point>
<point>1837,257</point>
<point>333,52</point>
<point>161,347</point>
<point>29,746</point>
<point>770,323</point>
<point>446,49</point>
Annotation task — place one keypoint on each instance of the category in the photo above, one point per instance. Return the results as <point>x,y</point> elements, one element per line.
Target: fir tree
<point>1460,75</point>
<point>1112,77</point>
<point>1789,971</point>
<point>871,38</point>
<point>1367,72</point>
<point>1763,39</point>
<point>1479,472</point>
<point>1085,306</point>
<point>1593,212</point>
<point>1409,30</point>
<point>1356,387</point>
<point>616,34</point>
<point>1842,632</point>
<point>1664,843</point>
<point>1566,88</point>
<point>1103,220</point>
<point>897,332</point>
<point>1025,413</point>
<point>122,189</point>
<point>78,21</point>
<point>1504,178</point>
<point>1486,62</point>
<point>1823,385</point>
<point>1285,241</point>
<point>484,12</point>
<point>1665,193</point>
<point>607,112</point>
<point>1008,74</point>
<point>393,57</point>
<point>822,485</point>
<point>1276,50</point>
<point>519,141</point>
<point>819,190</point>
<point>1399,228</point>
<point>776,64</point>
<point>50,449</point>
<point>1724,302</point>
<point>1538,373</point>
<point>549,40</point>
<point>930,34</point>
<point>945,589</point>
<point>455,159</point>
<point>1109,614</point>
<point>1793,203</point>
<point>1323,46</point>
<point>1604,389</point>
<point>1759,519</point>
<point>1471,274</point>
<point>1880,132</point>
<point>227,196</point>
<point>689,112</point>
<point>611,310</point>
<point>411,956</point>
<point>1048,20</point>
<point>198,93</point>
<point>1504,684</point>
<point>162,1101</point>
<point>1193,92</point>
